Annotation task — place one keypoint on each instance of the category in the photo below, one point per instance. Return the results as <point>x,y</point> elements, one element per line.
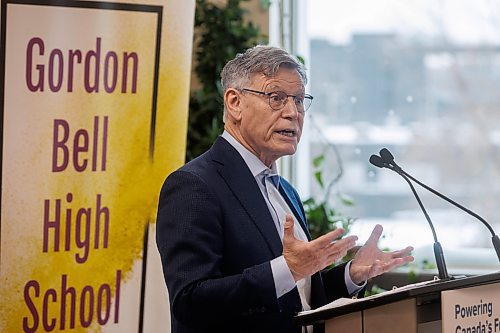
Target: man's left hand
<point>369,261</point>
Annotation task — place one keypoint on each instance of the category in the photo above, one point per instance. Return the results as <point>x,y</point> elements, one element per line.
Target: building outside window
<point>421,78</point>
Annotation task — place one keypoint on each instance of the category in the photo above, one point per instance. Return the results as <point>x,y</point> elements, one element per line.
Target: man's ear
<point>232,99</point>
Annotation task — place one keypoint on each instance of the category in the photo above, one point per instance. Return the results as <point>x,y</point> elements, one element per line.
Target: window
<point>421,78</point>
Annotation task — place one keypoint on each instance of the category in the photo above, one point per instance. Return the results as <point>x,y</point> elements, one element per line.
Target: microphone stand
<point>438,250</point>
<point>387,160</point>
<point>495,240</point>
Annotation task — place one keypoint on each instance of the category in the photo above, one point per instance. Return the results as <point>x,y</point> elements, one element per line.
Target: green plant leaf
<point>220,33</point>
<point>321,216</point>
<point>318,161</point>
<point>346,199</point>
<point>319,178</point>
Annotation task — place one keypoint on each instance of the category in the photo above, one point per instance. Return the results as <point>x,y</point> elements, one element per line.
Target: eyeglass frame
<point>268,95</point>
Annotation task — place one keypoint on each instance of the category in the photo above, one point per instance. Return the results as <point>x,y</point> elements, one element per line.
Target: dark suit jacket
<point>216,239</point>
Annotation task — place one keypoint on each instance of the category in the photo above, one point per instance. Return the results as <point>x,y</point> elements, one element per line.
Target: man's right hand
<point>306,258</point>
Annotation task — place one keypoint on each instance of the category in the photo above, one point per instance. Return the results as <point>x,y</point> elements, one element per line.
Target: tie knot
<point>273,178</point>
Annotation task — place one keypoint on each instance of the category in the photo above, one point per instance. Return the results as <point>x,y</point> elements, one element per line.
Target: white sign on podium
<point>471,310</point>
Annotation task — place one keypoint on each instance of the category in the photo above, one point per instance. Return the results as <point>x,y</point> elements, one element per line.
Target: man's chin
<point>286,151</point>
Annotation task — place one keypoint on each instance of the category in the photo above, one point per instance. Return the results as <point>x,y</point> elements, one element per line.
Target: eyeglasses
<point>278,99</point>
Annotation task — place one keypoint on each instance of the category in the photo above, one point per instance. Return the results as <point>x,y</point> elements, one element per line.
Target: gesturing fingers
<point>402,253</point>
<point>375,235</point>
<point>288,228</point>
<point>342,245</point>
<point>332,247</point>
<point>329,238</point>
<point>337,250</point>
<point>306,258</point>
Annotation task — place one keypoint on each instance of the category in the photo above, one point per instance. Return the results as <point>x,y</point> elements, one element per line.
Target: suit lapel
<point>318,297</point>
<point>291,200</point>
<point>238,177</point>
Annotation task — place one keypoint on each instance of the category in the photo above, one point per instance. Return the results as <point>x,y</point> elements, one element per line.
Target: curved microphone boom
<point>381,162</point>
<point>388,158</point>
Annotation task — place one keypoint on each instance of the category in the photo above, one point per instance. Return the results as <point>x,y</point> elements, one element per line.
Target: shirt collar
<point>255,165</point>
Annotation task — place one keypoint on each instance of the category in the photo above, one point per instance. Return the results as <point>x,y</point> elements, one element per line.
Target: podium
<point>460,305</point>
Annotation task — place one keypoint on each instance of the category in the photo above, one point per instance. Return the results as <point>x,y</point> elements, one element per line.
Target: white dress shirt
<point>265,176</point>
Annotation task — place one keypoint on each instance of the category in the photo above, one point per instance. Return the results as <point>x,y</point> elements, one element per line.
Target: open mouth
<point>288,133</point>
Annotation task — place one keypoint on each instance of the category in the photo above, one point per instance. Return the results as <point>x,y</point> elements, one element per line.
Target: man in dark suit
<point>232,234</point>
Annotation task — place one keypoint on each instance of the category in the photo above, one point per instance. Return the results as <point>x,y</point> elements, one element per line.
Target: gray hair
<point>259,59</point>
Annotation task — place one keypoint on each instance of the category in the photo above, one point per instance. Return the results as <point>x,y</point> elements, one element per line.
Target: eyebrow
<point>273,88</point>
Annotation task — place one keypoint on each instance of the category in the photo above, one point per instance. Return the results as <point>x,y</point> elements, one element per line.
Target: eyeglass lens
<point>278,99</point>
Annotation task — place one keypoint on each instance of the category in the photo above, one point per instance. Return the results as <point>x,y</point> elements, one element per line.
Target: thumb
<point>288,232</point>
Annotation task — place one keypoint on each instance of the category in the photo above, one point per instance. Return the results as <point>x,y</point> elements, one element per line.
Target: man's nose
<point>290,110</point>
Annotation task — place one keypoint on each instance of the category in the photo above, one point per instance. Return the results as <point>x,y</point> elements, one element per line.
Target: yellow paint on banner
<point>79,179</point>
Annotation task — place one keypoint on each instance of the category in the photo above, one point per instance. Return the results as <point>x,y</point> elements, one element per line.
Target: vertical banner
<point>94,109</point>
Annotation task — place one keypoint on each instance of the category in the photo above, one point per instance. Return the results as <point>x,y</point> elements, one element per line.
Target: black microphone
<point>388,159</point>
<point>383,162</point>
